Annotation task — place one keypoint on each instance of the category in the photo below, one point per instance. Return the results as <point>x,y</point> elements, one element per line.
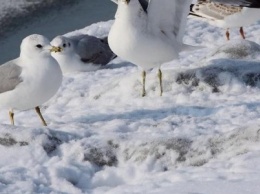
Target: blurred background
<point>19,18</point>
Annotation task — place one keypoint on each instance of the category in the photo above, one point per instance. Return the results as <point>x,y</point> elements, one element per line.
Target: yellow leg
<point>160,81</point>
<point>227,34</point>
<point>11,115</point>
<point>242,33</point>
<point>40,115</point>
<point>144,77</point>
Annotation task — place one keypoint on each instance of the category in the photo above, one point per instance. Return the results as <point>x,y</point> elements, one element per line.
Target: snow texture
<point>202,136</point>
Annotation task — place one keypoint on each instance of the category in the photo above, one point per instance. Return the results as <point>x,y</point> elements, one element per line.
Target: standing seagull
<point>225,15</point>
<point>149,35</point>
<point>31,79</point>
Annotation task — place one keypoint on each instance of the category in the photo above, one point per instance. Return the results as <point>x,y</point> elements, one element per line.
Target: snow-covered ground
<point>202,136</point>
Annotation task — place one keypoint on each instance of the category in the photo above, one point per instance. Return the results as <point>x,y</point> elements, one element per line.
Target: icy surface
<point>202,136</point>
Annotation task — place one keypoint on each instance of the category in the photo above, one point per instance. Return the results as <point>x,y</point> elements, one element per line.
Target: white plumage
<point>38,79</point>
<point>149,39</point>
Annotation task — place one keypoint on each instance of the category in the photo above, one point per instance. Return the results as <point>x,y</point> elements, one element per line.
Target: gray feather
<point>9,76</point>
<point>94,50</point>
<point>243,3</point>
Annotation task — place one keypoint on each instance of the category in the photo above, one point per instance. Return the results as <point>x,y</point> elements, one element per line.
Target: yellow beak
<point>55,49</point>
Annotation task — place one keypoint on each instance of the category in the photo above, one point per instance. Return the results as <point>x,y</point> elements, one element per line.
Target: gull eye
<point>39,46</point>
<point>64,45</point>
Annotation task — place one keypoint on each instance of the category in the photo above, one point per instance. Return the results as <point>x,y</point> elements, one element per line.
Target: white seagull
<point>149,35</point>
<point>225,15</point>
<point>82,53</point>
<point>31,79</point>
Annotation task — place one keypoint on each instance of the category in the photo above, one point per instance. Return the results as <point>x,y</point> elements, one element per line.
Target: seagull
<point>226,15</point>
<point>149,34</point>
<point>82,53</point>
<point>31,79</point>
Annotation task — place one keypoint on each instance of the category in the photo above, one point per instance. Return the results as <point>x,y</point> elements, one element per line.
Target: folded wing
<point>9,76</point>
<point>214,11</point>
<point>244,3</point>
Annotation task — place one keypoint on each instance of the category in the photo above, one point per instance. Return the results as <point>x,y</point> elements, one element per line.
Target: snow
<point>202,136</point>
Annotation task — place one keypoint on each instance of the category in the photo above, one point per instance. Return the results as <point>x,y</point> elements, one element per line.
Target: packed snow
<point>202,136</point>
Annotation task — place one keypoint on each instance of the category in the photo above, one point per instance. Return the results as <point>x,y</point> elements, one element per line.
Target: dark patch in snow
<point>187,78</point>
<point>102,156</point>
<point>181,146</point>
<point>252,79</point>
<point>221,72</point>
<point>159,150</point>
<point>9,141</point>
<point>171,153</point>
<point>51,144</point>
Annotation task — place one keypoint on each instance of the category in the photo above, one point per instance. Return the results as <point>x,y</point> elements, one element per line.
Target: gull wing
<point>214,11</point>
<point>93,50</point>
<point>9,76</point>
<point>243,3</point>
<point>169,17</point>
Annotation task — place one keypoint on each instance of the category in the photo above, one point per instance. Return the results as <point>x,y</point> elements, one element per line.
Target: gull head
<point>36,45</point>
<point>63,43</point>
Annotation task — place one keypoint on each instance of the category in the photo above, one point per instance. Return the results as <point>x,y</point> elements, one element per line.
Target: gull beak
<point>55,49</point>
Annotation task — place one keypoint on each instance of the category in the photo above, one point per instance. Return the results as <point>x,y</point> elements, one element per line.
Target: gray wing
<point>214,11</point>
<point>243,3</point>
<point>94,50</point>
<point>169,16</point>
<point>9,76</point>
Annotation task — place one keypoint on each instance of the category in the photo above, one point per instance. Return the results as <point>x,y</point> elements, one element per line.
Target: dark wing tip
<point>241,3</point>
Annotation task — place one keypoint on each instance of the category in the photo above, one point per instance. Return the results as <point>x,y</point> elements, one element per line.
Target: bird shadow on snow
<point>159,114</point>
<point>118,63</point>
<point>156,114</point>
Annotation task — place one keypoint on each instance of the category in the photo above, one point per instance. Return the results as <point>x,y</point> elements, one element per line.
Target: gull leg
<point>228,34</point>
<point>11,115</point>
<point>144,77</point>
<point>242,33</point>
<point>37,109</point>
<point>160,81</point>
